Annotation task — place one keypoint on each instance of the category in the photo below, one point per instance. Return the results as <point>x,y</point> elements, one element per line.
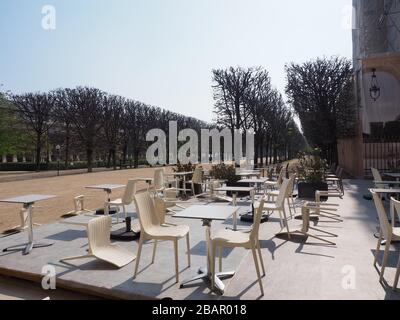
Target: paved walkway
<point>295,269</point>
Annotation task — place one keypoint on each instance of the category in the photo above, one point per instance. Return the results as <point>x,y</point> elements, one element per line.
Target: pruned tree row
<point>321,92</point>
<point>91,122</point>
<point>245,99</point>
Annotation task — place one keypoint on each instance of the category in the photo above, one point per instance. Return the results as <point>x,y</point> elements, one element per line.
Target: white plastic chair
<point>276,184</point>
<point>197,179</point>
<point>396,209</point>
<point>100,246</point>
<point>279,205</point>
<point>126,199</point>
<point>79,206</point>
<point>169,195</point>
<point>153,229</point>
<point>289,195</point>
<point>387,232</point>
<point>232,239</point>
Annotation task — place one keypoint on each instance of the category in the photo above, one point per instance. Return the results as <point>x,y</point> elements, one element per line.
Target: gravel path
<point>65,188</point>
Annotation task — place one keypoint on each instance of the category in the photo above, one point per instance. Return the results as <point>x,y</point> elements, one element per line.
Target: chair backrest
<point>383,219</point>
<point>159,179</point>
<point>98,231</point>
<point>146,210</point>
<point>339,172</point>
<point>198,175</point>
<point>290,187</point>
<point>161,209</point>
<point>281,176</point>
<point>283,191</point>
<point>257,221</point>
<point>130,191</point>
<point>377,177</point>
<point>396,207</point>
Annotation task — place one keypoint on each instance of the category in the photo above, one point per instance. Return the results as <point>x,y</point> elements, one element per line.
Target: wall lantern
<point>374,90</point>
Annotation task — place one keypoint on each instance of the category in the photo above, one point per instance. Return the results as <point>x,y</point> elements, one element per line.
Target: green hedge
<point>46,166</point>
<point>20,166</point>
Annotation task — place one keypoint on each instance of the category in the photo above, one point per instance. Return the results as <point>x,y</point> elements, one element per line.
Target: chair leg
<point>154,252</point>
<point>124,211</point>
<point>138,256</point>
<point>396,279</point>
<point>290,209</point>
<point>253,250</point>
<point>378,246</point>
<point>176,260</point>
<point>281,219</point>
<point>188,248</point>
<point>117,214</point>
<point>385,258</point>
<point>77,257</point>
<point>293,206</point>
<point>212,265</point>
<point>220,258</point>
<point>286,222</point>
<point>260,256</point>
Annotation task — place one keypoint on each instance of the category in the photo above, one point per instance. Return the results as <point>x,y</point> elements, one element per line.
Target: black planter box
<point>307,190</point>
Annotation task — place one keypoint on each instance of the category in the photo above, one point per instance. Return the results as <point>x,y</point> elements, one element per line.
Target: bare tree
<point>231,88</point>
<point>35,109</point>
<point>320,92</point>
<point>113,111</point>
<point>86,114</point>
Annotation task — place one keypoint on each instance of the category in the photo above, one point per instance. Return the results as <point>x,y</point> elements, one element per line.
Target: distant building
<point>376,48</point>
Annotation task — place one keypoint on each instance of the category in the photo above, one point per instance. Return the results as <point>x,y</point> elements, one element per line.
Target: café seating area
<point>223,254</point>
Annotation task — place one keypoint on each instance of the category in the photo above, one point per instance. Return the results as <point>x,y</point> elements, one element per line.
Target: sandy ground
<point>65,188</point>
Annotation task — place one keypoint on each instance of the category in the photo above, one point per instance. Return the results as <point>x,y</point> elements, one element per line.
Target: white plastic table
<point>207,214</point>
<point>182,176</point>
<point>249,174</point>
<point>28,201</point>
<point>254,182</point>
<point>107,188</point>
<point>235,191</point>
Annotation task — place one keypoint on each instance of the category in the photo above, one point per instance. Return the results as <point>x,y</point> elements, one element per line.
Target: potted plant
<point>311,171</point>
<point>228,173</point>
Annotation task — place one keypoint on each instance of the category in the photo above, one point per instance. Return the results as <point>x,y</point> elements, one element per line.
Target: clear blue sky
<point>162,51</point>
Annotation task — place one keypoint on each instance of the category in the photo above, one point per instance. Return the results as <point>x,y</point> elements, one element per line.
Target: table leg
<point>184,186</point>
<point>107,202</point>
<point>234,202</point>
<point>205,273</point>
<point>27,248</point>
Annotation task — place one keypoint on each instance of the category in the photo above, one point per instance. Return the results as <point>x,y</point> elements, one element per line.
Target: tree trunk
<point>256,150</point>
<point>125,153</point>
<point>38,150</point>
<point>114,158</point>
<point>262,151</point>
<point>136,161</point>
<point>67,138</point>
<point>109,159</point>
<point>89,156</point>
